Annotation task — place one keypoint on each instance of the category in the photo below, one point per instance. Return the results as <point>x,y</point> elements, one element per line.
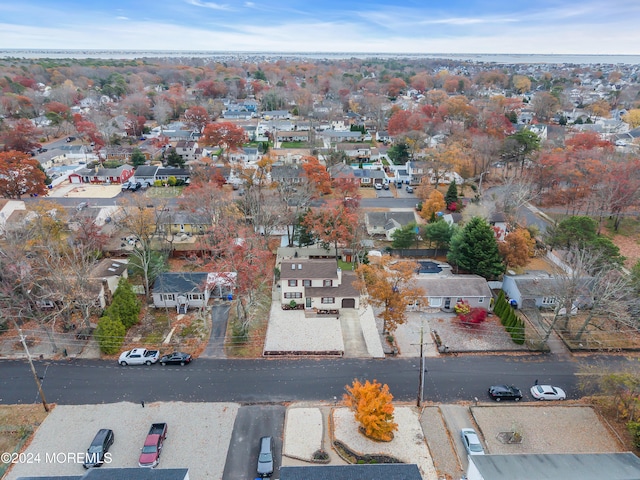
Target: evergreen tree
<point>125,305</point>
<point>404,237</point>
<point>302,235</point>
<point>440,233</point>
<point>110,334</point>
<point>452,194</point>
<point>475,249</point>
<point>174,160</point>
<point>137,158</point>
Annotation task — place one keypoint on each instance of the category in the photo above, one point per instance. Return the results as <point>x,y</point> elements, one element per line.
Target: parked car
<point>505,392</point>
<point>138,356</point>
<point>547,392</point>
<point>82,206</point>
<point>175,358</point>
<point>409,189</point>
<point>471,441</point>
<point>125,186</point>
<point>385,186</point>
<point>265,457</point>
<point>150,455</point>
<point>70,139</point>
<point>99,448</point>
<point>377,186</point>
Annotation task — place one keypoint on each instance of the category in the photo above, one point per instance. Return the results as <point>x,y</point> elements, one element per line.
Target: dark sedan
<point>505,392</point>
<point>176,358</point>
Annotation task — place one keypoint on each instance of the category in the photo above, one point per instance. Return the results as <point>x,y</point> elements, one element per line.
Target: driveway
<point>253,422</point>
<point>219,317</point>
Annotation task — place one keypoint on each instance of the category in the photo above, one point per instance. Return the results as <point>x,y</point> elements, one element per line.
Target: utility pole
<point>33,369</point>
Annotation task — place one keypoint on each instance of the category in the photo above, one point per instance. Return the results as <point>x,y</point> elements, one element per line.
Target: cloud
<point>211,5</point>
<point>122,18</point>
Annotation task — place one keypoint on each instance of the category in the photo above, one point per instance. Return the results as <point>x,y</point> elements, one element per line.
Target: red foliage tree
<point>20,175</point>
<point>196,118</point>
<point>334,224</point>
<point>22,137</point>
<point>317,174</point>
<point>225,135</point>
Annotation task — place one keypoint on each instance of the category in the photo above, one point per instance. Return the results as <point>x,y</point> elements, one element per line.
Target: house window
<point>328,300</point>
<point>306,283</point>
<point>435,301</point>
<point>481,300</point>
<point>168,297</point>
<point>293,295</point>
<point>548,300</point>
<point>196,296</point>
<point>293,283</point>
<point>327,283</point>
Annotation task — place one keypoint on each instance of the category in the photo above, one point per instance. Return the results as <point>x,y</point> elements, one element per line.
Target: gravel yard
<point>198,436</point>
<point>544,429</point>
<point>408,445</point>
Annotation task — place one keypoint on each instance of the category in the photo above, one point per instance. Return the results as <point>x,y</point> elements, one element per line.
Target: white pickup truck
<point>139,356</point>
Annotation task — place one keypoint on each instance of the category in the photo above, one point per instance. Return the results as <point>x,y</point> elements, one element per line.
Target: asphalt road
<point>448,379</point>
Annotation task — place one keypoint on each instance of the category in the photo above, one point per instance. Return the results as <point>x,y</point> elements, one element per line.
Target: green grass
<point>164,192</point>
<point>629,226</point>
<point>294,145</point>
<point>345,266</point>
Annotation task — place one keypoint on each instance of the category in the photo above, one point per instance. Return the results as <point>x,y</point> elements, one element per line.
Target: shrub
<point>110,335</point>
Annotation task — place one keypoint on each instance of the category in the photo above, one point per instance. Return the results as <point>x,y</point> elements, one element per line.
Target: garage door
<point>348,303</point>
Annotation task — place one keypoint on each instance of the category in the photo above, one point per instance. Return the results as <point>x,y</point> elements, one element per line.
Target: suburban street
<point>448,379</point>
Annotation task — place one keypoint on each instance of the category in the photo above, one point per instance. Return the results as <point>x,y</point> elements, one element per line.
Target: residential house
<point>385,223</point>
<point>358,152</point>
<point>289,155</point>
<point>117,175</point>
<point>245,156</point>
<point>369,177</point>
<point>337,136</point>
<point>276,114</point>
<point>181,290</point>
<point>146,174</point>
<point>343,173</point>
<point>288,174</point>
<point>184,223</point>
<point>108,272</point>
<point>383,136</point>
<point>498,222</point>
<point>7,207</point>
<point>388,471</point>
<point>164,173</point>
<point>120,474</point>
<point>541,289</point>
<point>317,283</point>
<point>435,173</point>
<point>443,292</point>
<point>554,466</point>
<point>188,150</point>
<point>293,136</point>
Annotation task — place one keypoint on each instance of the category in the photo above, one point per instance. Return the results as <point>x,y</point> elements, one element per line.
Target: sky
<point>589,27</point>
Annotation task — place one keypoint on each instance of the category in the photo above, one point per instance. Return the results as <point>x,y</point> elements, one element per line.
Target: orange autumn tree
<point>371,404</point>
<point>390,285</point>
<point>517,248</point>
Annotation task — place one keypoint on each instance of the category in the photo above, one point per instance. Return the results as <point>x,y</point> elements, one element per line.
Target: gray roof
<point>146,171</point>
<point>282,172</point>
<point>386,471</point>
<point>172,172</point>
<point>122,474</point>
<point>380,219</point>
<point>108,268</point>
<point>345,289</point>
<point>453,286</point>
<point>585,466</point>
<point>180,282</point>
<point>309,269</point>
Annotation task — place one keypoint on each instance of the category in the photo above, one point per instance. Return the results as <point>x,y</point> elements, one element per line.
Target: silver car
<point>471,441</point>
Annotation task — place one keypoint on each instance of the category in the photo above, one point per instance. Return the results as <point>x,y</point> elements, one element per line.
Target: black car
<point>505,392</point>
<point>176,358</point>
<point>99,448</point>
